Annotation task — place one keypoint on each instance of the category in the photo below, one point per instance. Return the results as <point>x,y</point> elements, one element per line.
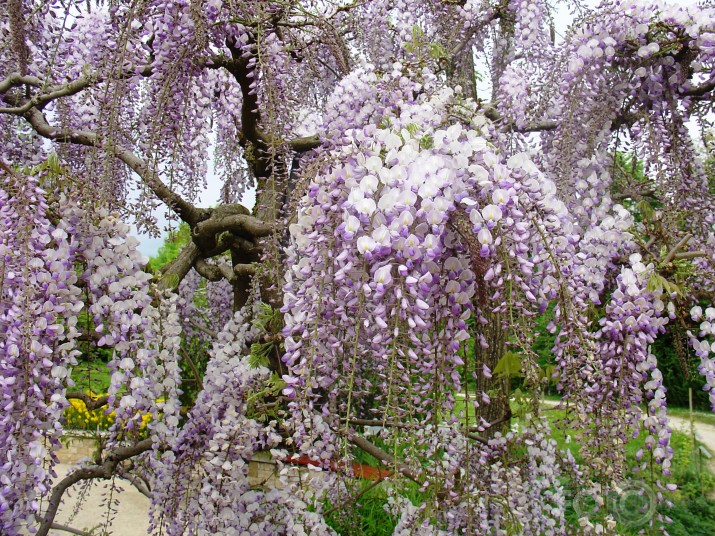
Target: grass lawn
<point>692,513</point>
<point>91,375</point>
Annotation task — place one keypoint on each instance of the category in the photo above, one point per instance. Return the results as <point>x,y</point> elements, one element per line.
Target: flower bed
<point>78,417</point>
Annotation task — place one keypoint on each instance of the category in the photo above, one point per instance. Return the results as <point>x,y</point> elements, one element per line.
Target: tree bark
<point>498,387</point>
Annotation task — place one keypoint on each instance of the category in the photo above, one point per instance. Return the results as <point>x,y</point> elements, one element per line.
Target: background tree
<point>395,203</point>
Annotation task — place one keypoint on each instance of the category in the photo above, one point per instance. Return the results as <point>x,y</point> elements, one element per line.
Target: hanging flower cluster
<point>120,301</point>
<point>421,223</point>
<point>412,221</point>
<point>39,304</point>
<point>488,490</point>
<point>629,375</point>
<point>163,339</point>
<point>201,483</point>
<point>204,306</point>
<point>704,345</point>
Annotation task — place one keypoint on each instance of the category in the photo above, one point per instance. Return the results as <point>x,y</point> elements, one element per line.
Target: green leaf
<point>412,128</point>
<point>426,142</point>
<point>509,366</point>
<point>646,209</point>
<point>657,282</point>
<point>437,51</point>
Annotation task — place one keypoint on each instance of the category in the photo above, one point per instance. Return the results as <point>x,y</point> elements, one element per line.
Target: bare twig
<point>477,438</point>
<point>211,333</point>
<point>104,470</point>
<point>691,255</point>
<point>680,245</point>
<point>137,482</point>
<point>383,456</point>
<point>197,376</point>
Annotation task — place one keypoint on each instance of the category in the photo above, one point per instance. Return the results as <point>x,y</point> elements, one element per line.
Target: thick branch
<point>490,112</point>
<point>104,471</point>
<point>90,403</point>
<point>185,210</point>
<point>245,76</point>
<point>177,269</point>
<point>214,272</point>
<point>240,224</point>
<point>17,80</point>
<point>41,100</point>
<point>543,125</point>
<point>304,143</point>
<point>700,91</point>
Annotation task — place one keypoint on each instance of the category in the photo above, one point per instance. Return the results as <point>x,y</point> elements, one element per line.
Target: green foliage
<point>426,142</point>
<point>367,516</point>
<point>691,518</point>
<point>658,282</point>
<point>665,348</point>
<point>690,471</point>
<point>91,375</point>
<point>509,366</point>
<point>269,322</point>
<point>424,49</point>
<point>171,247</point>
<point>261,405</point>
<point>193,359</point>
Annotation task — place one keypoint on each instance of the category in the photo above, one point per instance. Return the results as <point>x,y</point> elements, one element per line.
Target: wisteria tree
<point>410,226</point>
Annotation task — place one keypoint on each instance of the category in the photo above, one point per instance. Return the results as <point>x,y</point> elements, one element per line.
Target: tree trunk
<point>497,387</point>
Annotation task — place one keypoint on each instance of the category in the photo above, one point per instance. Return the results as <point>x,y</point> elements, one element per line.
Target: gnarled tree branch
<point>104,470</point>
<point>90,403</point>
<point>185,210</point>
<point>239,224</point>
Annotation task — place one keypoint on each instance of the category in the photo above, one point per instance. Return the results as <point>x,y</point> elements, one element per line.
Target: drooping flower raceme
<point>704,345</point>
<point>120,303</point>
<point>412,219</point>
<point>215,446</point>
<point>39,304</point>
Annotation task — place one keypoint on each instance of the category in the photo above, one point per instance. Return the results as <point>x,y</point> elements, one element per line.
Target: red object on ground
<point>366,472</point>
